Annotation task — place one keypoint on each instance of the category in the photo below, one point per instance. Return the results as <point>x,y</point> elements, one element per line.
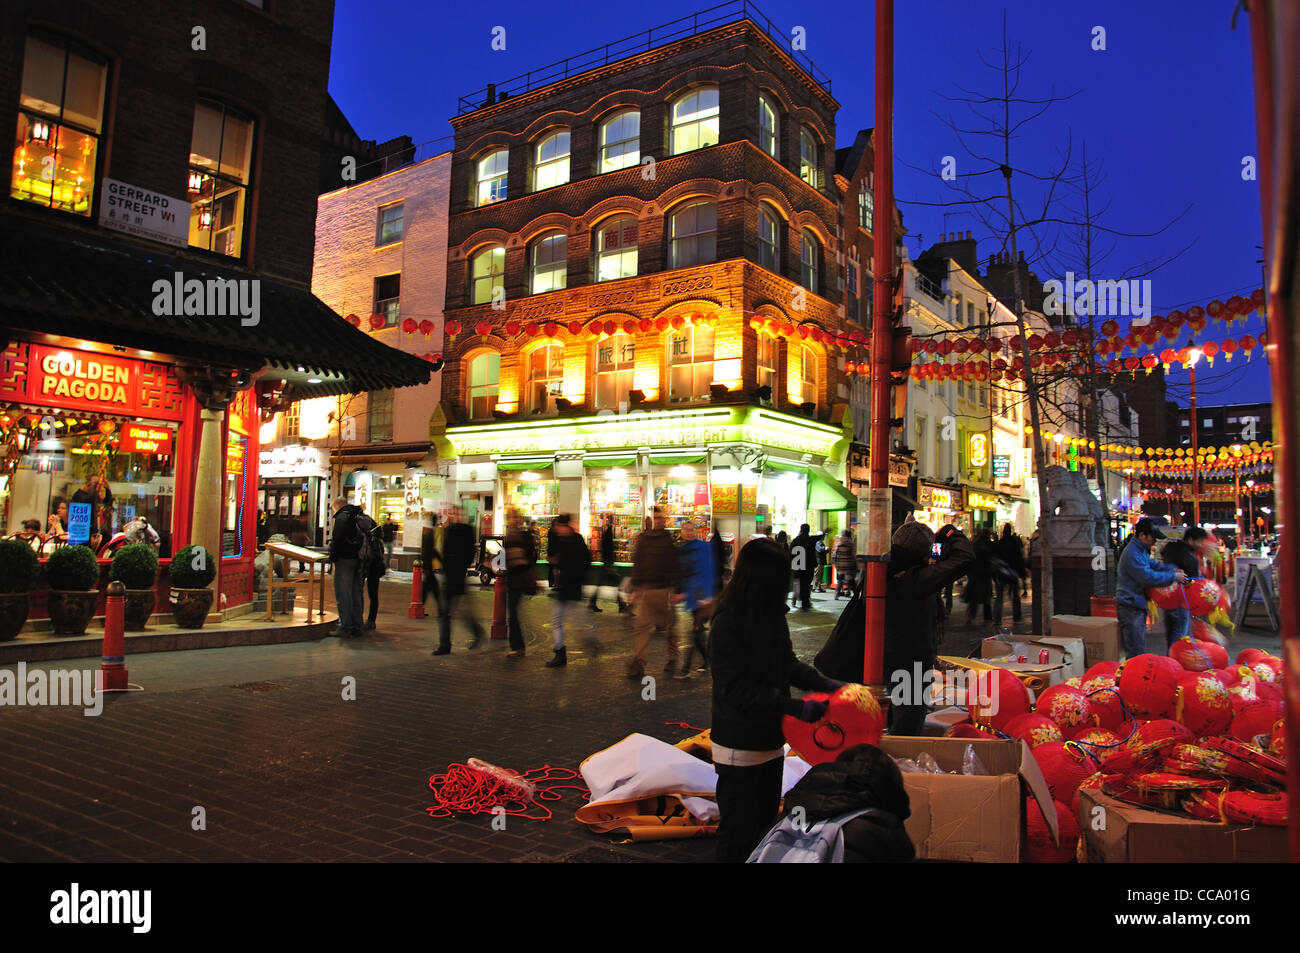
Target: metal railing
<point>681,28</point>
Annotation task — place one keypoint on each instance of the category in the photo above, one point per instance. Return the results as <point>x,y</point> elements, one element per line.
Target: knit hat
<point>915,538</point>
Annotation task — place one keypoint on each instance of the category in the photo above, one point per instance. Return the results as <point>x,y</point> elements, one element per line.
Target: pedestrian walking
<point>521,577</point>
<point>699,587</point>
<point>457,557</point>
<point>347,537</point>
<point>657,581</point>
<point>721,558</point>
<point>570,559</point>
<point>1010,549</point>
<point>1137,573</point>
<point>822,556</point>
<point>803,563</point>
<point>916,577</point>
<point>845,559</point>
<point>608,574</point>
<point>754,666</point>
<point>375,569</point>
<point>550,566</point>
<point>430,558</point>
<point>1187,554</point>
<point>979,580</point>
<point>389,528</point>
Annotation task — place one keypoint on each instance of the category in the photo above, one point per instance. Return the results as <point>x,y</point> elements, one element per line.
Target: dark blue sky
<point>1167,109</point>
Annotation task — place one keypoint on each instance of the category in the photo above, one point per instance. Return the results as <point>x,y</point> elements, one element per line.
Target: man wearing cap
<point>1137,574</point>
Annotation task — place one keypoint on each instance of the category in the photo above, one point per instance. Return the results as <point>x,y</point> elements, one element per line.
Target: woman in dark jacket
<point>862,777</point>
<point>754,666</point>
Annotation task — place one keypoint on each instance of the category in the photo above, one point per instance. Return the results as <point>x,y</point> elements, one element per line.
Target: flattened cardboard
<point>1133,835</point>
<point>973,818</point>
<point>1100,635</point>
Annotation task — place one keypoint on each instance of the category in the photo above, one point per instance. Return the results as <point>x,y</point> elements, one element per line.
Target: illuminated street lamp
<point>1169,503</point>
<point>1250,499</point>
<point>1193,356</point>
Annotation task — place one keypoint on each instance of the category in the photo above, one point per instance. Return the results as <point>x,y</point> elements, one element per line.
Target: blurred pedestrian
<point>803,563</point>
<point>979,580</point>
<point>845,558</point>
<point>657,581</point>
<point>376,568</point>
<point>721,558</point>
<point>521,577</point>
<point>699,580</point>
<point>457,557</point>
<point>570,559</point>
<point>430,558</point>
<point>608,574</point>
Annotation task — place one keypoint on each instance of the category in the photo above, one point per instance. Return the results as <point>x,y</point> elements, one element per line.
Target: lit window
<point>379,425</point>
<point>808,158</point>
<point>620,141</point>
<point>545,377</point>
<point>60,117</point>
<point>769,240</point>
<point>767,136</point>
<point>956,314</point>
<point>695,120</point>
<point>616,249</point>
<point>808,262</point>
<point>807,383</point>
<point>548,265</point>
<point>615,365</point>
<point>221,157</point>
<point>551,162</point>
<point>389,228</point>
<point>490,177</point>
<point>388,297</point>
<point>694,235</point>
<point>866,207</point>
<point>487,272</point>
<point>484,378</point>
<point>690,363</point>
<point>851,299</point>
<point>766,360</point>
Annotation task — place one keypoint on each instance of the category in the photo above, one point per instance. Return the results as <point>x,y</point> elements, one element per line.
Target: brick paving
<point>286,770</point>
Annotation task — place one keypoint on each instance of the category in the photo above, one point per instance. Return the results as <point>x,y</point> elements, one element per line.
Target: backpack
<point>378,551</point>
<point>820,843</point>
<point>362,527</point>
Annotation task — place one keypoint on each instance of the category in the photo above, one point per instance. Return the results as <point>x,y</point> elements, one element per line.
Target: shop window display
<point>616,496</point>
<point>683,498</point>
<point>536,500</point>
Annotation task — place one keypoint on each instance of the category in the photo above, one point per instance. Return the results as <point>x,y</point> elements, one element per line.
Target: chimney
<point>491,94</point>
<point>968,235</point>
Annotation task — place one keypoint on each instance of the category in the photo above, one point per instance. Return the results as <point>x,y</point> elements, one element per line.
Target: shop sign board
<point>79,523</point>
<point>144,213</point>
<point>100,383</point>
<point>938,497</point>
<point>293,462</point>
<point>144,438</point>
<point>748,500</point>
<point>979,450</point>
<point>899,472</point>
<point>234,454</point>
<point>975,500</point>
<point>726,500</point>
<point>432,487</point>
<point>1001,465</point>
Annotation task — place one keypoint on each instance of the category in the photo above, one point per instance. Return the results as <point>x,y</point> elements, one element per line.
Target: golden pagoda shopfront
<point>738,467</point>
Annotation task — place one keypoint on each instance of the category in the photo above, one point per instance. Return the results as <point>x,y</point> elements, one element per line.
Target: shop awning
<point>534,465</point>
<point>827,493</point>
<point>97,287</point>
<point>672,459</point>
<point>609,462</point>
<point>773,464</point>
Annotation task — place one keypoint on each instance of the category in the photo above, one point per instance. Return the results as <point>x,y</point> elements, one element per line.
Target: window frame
<point>502,179</point>
<point>620,253</point>
<point>809,260</point>
<point>552,380</point>
<point>773,133</point>
<point>491,386</point>
<point>762,371</point>
<point>809,171</point>
<point>557,161</point>
<point>697,363</point>
<point>379,403</point>
<point>676,128</point>
<point>474,280</point>
<point>808,385</point>
<point>694,238</point>
<point>603,145</point>
<point>558,266</point>
<point>766,213</point>
<point>210,176</point>
<point>391,306</point>
<point>621,371</point>
<point>380,223</point>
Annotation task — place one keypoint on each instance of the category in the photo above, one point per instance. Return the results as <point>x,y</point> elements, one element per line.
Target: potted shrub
<point>19,569</point>
<point>135,566</point>
<point>73,575</point>
<point>192,571</point>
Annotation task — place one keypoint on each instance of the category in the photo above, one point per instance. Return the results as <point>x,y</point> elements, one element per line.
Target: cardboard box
<point>971,818</point>
<point>1135,835</point>
<point>1065,658</point>
<point>1100,635</point>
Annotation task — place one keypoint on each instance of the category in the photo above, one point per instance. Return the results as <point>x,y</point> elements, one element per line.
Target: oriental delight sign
<point>84,380</point>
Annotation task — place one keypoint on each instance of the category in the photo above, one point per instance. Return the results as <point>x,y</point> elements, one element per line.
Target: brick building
<point>157,236</point>
<point>644,280</point>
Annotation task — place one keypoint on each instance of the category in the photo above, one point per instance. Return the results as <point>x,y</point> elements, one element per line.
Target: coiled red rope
<point>464,789</point>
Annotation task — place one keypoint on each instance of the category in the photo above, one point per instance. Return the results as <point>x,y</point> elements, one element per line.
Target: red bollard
<point>113,665</point>
<point>499,608</point>
<point>417,593</point>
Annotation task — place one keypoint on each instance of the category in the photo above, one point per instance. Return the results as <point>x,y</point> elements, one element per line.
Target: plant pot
<point>13,614</point>
<point>190,607</point>
<point>137,607</point>
<point>71,611</point>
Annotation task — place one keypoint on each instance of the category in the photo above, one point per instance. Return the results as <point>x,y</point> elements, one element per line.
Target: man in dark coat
<point>862,777</point>
<point>344,552</point>
<point>979,580</point>
<point>916,576</point>
<point>1011,551</point>
<point>570,559</point>
<point>457,556</point>
<point>803,561</point>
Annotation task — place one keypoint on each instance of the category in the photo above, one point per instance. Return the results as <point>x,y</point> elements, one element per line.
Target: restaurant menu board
<point>748,500</point>
<point>726,500</point>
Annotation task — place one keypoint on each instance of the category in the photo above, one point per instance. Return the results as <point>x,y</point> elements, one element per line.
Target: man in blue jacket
<point>1137,574</point>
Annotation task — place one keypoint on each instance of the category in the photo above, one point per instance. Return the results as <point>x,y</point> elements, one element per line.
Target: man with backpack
<point>349,552</point>
<point>376,567</point>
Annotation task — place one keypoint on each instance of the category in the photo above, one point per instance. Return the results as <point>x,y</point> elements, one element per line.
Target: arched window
<point>769,240</point>
<point>767,125</point>
<point>806,392</point>
<point>545,377</point>
<point>484,380</point>
<point>690,360</point>
<point>808,261</point>
<point>694,121</point>
<point>616,248</point>
<point>766,360</point>
<point>615,365</point>
<point>547,263</point>
<point>808,158</point>
<point>620,141</point>
<point>551,161</point>
<point>693,234</point>
<point>487,269</point>
<point>490,177</point>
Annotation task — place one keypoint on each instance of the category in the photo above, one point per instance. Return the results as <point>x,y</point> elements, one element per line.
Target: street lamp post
<point>1194,355</point>
<point>1169,504</point>
<point>1250,499</point>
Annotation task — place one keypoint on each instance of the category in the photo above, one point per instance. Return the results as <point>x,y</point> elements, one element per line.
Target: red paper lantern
<point>1215,308</point>
<point>353,320</point>
<point>999,696</point>
<point>1110,328</point>
<point>1035,342</point>
<point>1256,718</point>
<point>945,347</point>
<point>1033,729</point>
<point>994,346</point>
<point>1064,765</point>
<point>1051,339</point>
<point>1149,361</point>
<point>977,346</point>
<point>1070,338</point>
<point>853,717</point>
<point>377,321</point>
<point>677,322</point>
<point>532,329</point>
<point>1171,332</point>
<point>1103,696</point>
<point>629,326</point>
<point>483,328</point>
<point>1202,704</point>
<point>1132,363</point>
<point>1229,348</point>
<point>452,328</point>
<point>1203,595</point>
<point>1168,356</point>
<point>1248,343</point>
<point>1237,305</point>
<point>1189,654</point>
<point>551,329</point>
<point>1102,347</point>
<point>647,324</point>
<point>409,325</point>
<point>931,346</point>
<point>1067,706</point>
<point>1150,336</point>
<point>1147,686</point>
<point>426,327</point>
<point>610,326</point>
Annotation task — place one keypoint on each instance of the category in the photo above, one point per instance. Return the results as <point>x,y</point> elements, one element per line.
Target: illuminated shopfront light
<point>529,475</point>
<point>617,474</point>
<point>682,472</point>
